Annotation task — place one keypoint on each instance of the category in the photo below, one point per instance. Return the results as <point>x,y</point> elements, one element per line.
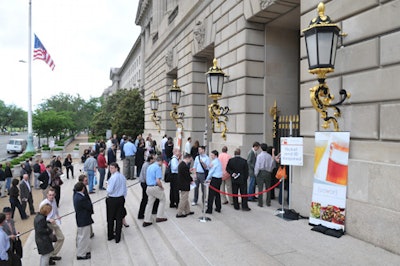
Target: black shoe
<point>246,209</point>
<point>160,220</point>
<point>218,210</point>
<point>52,262</point>
<point>117,239</point>
<point>55,258</point>
<point>236,208</point>
<point>146,224</point>
<point>190,213</point>
<point>126,225</point>
<point>181,215</point>
<point>91,235</point>
<point>172,206</point>
<point>209,211</point>
<point>89,254</point>
<point>83,258</point>
<point>111,238</point>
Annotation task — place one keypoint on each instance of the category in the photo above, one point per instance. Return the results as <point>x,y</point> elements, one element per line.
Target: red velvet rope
<point>247,195</point>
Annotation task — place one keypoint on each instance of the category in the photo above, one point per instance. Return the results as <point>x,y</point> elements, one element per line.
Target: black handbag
<point>168,173</point>
<point>53,237</point>
<point>17,246</point>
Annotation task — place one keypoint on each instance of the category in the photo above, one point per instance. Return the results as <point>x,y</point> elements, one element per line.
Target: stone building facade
<point>259,45</point>
<point>130,74</point>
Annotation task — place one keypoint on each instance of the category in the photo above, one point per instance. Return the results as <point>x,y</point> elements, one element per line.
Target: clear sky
<point>85,38</point>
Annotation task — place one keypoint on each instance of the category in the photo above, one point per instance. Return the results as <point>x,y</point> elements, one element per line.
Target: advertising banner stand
<point>291,154</point>
<point>328,206</point>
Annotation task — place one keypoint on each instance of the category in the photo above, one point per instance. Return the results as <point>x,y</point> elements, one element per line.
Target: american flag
<point>39,52</point>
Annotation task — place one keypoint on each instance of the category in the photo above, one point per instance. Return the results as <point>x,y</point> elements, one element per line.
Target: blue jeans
<point>8,183</point>
<point>252,186</point>
<point>91,179</point>
<point>102,172</point>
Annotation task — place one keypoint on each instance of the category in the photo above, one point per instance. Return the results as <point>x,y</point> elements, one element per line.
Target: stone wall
<point>367,66</point>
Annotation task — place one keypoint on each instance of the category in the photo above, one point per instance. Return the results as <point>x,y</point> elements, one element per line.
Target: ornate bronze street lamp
<point>215,84</point>
<point>175,97</point>
<point>321,41</point>
<point>154,102</point>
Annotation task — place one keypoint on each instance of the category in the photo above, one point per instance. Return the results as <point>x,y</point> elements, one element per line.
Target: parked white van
<point>16,146</point>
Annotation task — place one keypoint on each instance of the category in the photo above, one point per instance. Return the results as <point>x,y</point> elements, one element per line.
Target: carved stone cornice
<point>143,8</point>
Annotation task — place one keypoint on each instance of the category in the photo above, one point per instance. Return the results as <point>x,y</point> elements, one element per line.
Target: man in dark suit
<point>26,194</point>
<point>45,179</point>
<point>111,158</point>
<point>238,169</point>
<point>83,215</point>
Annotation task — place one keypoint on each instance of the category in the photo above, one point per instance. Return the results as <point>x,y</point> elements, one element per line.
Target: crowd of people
<point>226,177</point>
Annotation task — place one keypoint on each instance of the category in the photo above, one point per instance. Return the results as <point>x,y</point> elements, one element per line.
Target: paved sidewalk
<point>232,237</point>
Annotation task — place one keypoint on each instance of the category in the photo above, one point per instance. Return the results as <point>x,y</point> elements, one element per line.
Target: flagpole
<point>30,146</point>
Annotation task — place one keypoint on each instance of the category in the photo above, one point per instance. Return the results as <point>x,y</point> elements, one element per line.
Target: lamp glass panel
<point>174,97</point>
<point>154,105</point>
<point>334,48</point>
<point>325,47</point>
<point>311,43</point>
<point>220,84</point>
<point>214,84</point>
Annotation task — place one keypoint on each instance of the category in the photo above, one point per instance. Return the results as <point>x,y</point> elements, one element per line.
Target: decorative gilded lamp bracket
<point>156,120</point>
<point>321,99</point>
<point>177,117</point>
<point>218,116</point>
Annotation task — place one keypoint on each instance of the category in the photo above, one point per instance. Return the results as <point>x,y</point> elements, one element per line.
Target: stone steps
<point>232,237</point>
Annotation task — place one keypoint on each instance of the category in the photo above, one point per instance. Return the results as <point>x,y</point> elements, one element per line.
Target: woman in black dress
<point>139,158</point>
<point>68,165</point>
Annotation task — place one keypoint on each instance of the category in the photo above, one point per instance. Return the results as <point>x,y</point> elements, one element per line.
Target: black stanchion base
<point>287,214</point>
<point>204,219</point>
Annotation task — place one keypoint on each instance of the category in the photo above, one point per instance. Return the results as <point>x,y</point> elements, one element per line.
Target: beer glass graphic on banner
<point>338,161</point>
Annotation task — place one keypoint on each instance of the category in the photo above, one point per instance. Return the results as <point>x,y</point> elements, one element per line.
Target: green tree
<point>122,112</point>
<point>51,123</point>
<point>12,116</point>
<point>77,109</point>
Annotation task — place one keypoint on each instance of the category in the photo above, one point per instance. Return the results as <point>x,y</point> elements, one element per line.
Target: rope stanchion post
<point>282,210</point>
<point>204,218</point>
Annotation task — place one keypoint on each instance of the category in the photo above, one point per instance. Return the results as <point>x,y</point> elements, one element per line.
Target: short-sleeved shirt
<point>153,172</point>
<point>4,244</point>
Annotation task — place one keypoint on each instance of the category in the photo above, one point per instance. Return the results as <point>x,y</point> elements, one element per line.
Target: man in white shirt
<point>162,144</point>
<point>55,220</point>
<point>188,145</point>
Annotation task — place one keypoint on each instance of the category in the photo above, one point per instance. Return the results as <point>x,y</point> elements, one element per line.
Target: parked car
<point>16,146</point>
<point>14,134</point>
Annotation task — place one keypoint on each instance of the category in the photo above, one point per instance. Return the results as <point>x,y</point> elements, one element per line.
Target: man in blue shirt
<point>155,190</point>
<point>4,242</point>
<point>116,193</point>
<point>129,161</point>
<point>214,177</point>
